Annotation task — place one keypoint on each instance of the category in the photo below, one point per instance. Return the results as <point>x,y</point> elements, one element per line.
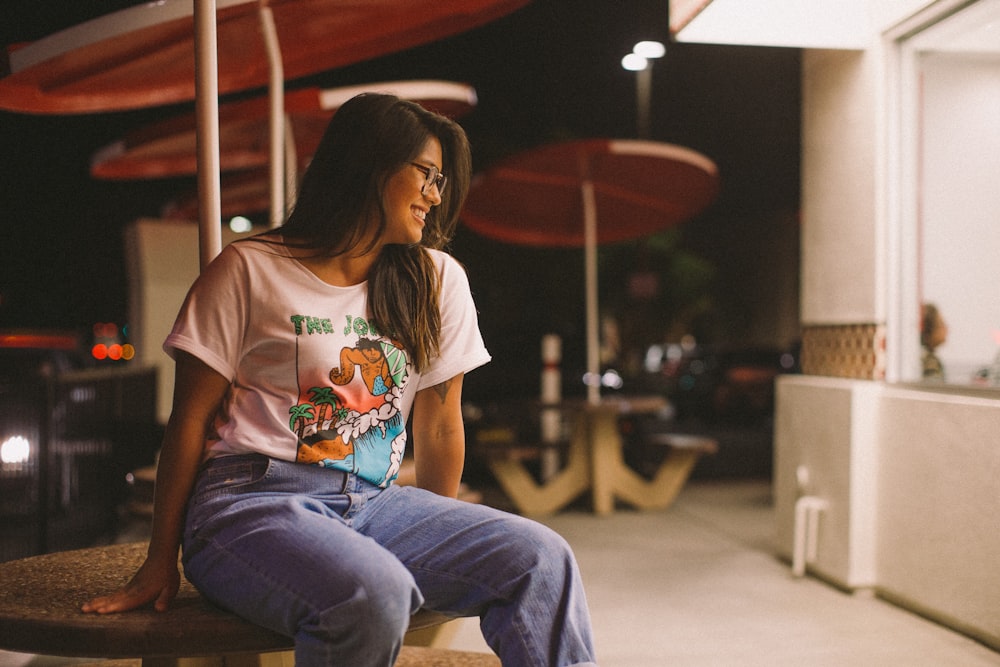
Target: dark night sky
<point>549,71</point>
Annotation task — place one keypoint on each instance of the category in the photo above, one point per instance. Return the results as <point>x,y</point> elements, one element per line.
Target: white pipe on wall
<point>807,513</point>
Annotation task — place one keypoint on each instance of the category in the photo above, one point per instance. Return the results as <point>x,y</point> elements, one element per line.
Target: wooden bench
<point>595,463</point>
<point>683,452</point>
<point>40,600</point>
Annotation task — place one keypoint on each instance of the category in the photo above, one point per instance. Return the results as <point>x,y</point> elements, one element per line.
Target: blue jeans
<point>341,565</point>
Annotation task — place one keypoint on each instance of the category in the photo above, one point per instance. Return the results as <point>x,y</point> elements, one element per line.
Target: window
<point>950,176</point>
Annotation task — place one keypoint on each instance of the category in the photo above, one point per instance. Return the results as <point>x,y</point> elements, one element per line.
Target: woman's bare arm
<point>439,437</point>
<point>198,392</point>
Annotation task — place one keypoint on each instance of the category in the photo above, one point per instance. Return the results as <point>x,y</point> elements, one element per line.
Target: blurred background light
<point>649,49</point>
<point>240,224</point>
<point>633,62</point>
<point>15,450</point>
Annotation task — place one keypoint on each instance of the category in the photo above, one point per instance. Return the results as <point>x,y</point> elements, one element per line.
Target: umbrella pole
<point>291,166</point>
<point>551,395</point>
<point>590,270</point>
<point>277,115</point>
<point>206,83</point>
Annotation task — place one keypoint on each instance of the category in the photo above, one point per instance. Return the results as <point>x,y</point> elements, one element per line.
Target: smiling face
<point>406,207</point>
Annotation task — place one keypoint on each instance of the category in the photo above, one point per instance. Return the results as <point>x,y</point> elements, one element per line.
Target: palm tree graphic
<point>325,400</point>
<point>301,413</point>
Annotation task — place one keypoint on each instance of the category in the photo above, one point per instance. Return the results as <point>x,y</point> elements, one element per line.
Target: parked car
<point>720,383</point>
<point>724,393</point>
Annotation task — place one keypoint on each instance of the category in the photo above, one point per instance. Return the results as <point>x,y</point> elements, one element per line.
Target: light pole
<point>639,61</point>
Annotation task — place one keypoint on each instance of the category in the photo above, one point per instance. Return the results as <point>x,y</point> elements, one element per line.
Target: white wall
<point>939,486</point>
<point>885,13</point>
<point>912,476</point>
<point>912,479</point>
<point>813,24</point>
<point>824,427</point>
<point>839,226</point>
<point>162,263</point>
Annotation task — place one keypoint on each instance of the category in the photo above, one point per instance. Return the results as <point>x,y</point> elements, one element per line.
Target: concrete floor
<point>698,585</point>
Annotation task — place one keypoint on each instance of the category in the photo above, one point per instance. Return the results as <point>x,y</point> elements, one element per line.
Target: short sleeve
<point>212,321</point>
<point>462,348</point>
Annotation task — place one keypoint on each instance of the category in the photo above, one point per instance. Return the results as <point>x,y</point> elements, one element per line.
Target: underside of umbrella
<point>177,50</point>
<point>167,148</point>
<point>589,192</point>
<point>143,56</point>
<point>534,198</point>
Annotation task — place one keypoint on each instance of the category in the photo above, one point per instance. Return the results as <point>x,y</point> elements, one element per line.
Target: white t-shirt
<point>311,379</point>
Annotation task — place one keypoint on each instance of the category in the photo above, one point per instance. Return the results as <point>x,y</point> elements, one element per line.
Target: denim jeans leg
<point>268,541</point>
<point>518,576</point>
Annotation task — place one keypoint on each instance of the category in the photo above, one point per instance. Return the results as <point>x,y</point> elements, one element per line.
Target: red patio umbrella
<point>167,148</point>
<point>241,193</point>
<point>144,56</point>
<point>176,50</point>
<point>586,192</point>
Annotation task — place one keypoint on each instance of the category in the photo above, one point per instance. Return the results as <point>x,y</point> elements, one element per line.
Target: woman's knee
<point>391,601</point>
<point>367,629</point>
<point>535,555</point>
<point>545,544</point>
<point>379,608</point>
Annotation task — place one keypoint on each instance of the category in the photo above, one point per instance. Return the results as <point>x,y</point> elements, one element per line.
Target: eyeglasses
<point>432,176</point>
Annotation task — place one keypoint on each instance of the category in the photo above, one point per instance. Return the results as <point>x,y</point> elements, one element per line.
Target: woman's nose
<point>433,195</point>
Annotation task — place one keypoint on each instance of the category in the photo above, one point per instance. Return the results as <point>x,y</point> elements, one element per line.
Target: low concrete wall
<point>825,447</point>
<point>939,508</point>
<point>911,478</point>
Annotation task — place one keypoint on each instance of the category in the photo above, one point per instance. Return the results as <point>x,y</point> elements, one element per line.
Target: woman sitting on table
<point>300,355</point>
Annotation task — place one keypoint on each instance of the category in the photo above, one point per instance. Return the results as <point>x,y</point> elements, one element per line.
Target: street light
<point>640,62</point>
<point>650,50</point>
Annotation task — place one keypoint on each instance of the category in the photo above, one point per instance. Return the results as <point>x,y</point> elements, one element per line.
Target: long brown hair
<point>371,137</point>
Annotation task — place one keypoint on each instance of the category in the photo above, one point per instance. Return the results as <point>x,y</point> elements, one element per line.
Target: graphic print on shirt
<point>349,412</point>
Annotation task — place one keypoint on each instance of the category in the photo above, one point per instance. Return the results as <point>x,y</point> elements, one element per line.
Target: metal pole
<point>277,115</point>
<point>643,85</point>
<point>291,166</point>
<point>590,268</point>
<point>206,86</point>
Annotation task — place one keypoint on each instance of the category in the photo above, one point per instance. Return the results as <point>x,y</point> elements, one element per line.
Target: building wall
<point>162,265</point>
<point>938,537</point>
<point>910,479</point>
<point>839,230</point>
<point>825,448</point>
<point>925,460</point>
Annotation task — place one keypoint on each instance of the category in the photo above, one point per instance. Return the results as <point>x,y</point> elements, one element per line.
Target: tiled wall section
<point>854,351</point>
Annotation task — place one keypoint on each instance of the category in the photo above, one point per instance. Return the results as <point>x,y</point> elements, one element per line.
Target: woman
<point>933,334</point>
<point>300,354</point>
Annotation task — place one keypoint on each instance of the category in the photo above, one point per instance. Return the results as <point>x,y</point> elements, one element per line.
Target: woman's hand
<point>153,582</point>
<point>198,391</point>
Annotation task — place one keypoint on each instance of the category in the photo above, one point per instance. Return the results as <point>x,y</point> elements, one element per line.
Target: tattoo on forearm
<point>442,389</point>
